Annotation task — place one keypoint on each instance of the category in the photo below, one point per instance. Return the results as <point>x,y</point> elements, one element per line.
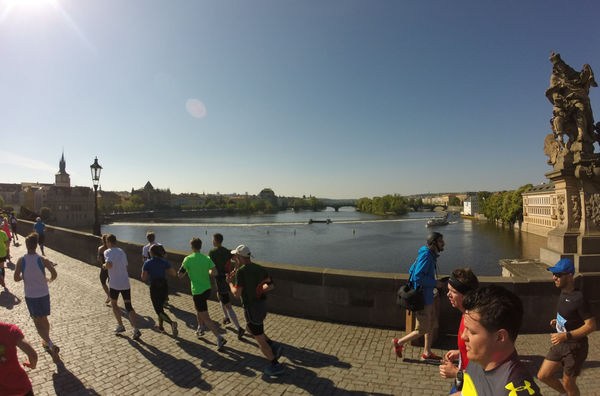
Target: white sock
<point>233,317</point>
<point>224,310</point>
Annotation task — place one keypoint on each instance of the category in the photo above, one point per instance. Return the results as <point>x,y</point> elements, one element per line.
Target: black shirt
<point>572,311</point>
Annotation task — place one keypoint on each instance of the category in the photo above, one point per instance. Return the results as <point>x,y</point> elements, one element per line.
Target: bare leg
<point>570,385</point>
<point>208,322</point>
<point>264,346</point>
<point>43,328</point>
<point>413,335</point>
<point>545,374</point>
<point>427,344</point>
<point>116,311</point>
<point>132,316</point>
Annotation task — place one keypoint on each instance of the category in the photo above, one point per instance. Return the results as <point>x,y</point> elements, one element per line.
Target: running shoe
<point>220,343</point>
<point>241,332</point>
<point>200,331</point>
<point>174,329</point>
<point>120,329</point>
<point>431,356</point>
<point>107,301</point>
<point>160,329</point>
<point>274,370</point>
<point>136,334</point>
<point>226,321</point>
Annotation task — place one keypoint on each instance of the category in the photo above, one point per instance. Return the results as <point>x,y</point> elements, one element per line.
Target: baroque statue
<point>571,143</point>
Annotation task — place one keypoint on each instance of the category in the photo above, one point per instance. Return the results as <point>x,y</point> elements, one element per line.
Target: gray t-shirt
<point>510,378</point>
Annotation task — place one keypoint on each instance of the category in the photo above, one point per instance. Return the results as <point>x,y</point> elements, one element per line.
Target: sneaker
<point>120,329</point>
<point>107,301</point>
<point>174,329</point>
<point>277,349</point>
<point>220,343</point>
<point>200,331</point>
<point>136,334</point>
<point>241,332</point>
<point>431,356</point>
<point>274,370</point>
<point>397,347</point>
<point>226,321</point>
<point>160,329</point>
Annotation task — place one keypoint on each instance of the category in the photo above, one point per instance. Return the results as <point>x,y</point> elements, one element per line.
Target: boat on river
<point>438,221</point>
<point>326,221</point>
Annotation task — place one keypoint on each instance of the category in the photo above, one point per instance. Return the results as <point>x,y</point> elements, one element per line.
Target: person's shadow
<point>181,372</point>
<point>66,383</point>
<point>8,300</point>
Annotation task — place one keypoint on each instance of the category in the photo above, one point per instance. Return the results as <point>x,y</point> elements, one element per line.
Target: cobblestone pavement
<point>319,357</point>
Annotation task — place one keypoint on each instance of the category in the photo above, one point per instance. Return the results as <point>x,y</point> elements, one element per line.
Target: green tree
<point>454,201</point>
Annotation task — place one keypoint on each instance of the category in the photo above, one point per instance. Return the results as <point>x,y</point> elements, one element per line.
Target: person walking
<point>199,268</point>
<point>14,379</point>
<point>221,256</point>
<point>423,274</point>
<point>118,283</point>
<point>31,269</point>
<point>39,227</point>
<point>13,225</point>
<point>461,282</point>
<point>573,323</point>
<point>103,271</point>
<point>250,282</point>
<point>155,270</point>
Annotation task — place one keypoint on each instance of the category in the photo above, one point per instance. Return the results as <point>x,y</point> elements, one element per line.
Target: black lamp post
<point>96,169</point>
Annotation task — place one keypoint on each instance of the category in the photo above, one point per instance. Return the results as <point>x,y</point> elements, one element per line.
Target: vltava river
<point>353,240</point>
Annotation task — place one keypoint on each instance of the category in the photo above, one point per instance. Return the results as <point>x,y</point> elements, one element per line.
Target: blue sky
<point>338,98</point>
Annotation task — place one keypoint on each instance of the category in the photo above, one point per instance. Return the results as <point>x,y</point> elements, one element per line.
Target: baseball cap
<point>242,250</point>
<point>563,265</point>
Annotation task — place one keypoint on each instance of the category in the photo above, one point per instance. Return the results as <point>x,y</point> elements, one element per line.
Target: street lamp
<point>96,169</point>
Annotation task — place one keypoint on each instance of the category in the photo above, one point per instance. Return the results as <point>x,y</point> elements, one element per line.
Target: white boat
<point>438,221</point>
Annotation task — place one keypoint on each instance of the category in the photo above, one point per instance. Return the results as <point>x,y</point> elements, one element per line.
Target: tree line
<point>390,204</point>
<point>506,206</point>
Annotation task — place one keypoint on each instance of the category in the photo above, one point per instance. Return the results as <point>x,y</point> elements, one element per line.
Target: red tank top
<point>462,348</point>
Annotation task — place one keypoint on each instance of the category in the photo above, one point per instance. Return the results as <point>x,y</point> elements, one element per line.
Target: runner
<point>6,229</point>
<point>31,269</point>
<point>118,283</point>
<point>103,271</point>
<point>4,244</point>
<point>199,268</point>
<point>14,379</point>
<point>13,226</point>
<point>573,323</point>
<point>222,258</point>
<point>251,281</point>
<point>154,271</point>
<point>39,227</point>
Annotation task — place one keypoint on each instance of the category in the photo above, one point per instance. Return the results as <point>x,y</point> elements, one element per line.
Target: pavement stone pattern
<point>320,358</point>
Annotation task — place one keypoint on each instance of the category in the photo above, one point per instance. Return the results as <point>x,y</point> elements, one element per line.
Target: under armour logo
<point>515,391</point>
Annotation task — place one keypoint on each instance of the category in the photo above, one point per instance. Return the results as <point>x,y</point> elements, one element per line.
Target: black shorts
<point>571,354</point>
<point>255,316</point>
<point>200,301</point>
<point>41,239</point>
<point>14,228</point>
<point>223,297</point>
<point>114,294</point>
<point>103,276</point>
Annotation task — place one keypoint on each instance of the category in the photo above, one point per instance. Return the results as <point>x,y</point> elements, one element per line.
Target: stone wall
<point>358,297</point>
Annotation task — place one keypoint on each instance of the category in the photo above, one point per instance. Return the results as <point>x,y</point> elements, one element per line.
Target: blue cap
<point>563,265</point>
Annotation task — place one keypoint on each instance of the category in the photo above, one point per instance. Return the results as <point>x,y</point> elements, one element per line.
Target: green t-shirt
<point>248,277</point>
<point>221,256</point>
<point>3,240</point>
<point>197,266</point>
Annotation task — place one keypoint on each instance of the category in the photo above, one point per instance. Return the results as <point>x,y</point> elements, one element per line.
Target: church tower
<point>62,178</point>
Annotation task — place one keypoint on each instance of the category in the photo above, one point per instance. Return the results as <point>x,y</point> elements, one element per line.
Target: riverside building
<point>540,210</point>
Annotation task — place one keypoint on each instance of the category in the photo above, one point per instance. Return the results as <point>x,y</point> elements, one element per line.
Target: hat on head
<point>242,250</point>
<point>563,265</point>
<point>38,219</point>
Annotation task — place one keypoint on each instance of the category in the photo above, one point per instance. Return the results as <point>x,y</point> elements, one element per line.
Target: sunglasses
<point>560,274</point>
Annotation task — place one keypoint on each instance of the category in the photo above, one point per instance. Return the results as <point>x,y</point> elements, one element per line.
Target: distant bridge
<point>338,203</point>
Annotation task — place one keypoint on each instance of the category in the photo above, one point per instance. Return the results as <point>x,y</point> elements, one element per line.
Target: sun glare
<point>28,4</point>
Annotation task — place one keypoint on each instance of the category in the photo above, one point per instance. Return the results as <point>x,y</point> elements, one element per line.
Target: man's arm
<point>181,273</point>
<point>589,325</point>
<point>18,277</point>
<point>144,275</point>
<point>171,271</point>
<point>421,277</point>
<point>29,351</point>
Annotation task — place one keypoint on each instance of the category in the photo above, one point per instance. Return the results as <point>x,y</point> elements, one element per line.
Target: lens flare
<point>195,107</point>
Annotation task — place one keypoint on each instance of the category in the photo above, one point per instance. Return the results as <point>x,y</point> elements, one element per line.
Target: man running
<point>13,226</point>
<point>199,268</point>
<point>154,270</point>
<point>103,271</point>
<point>4,244</point>
<point>461,282</point>
<point>251,281</point>
<point>573,323</point>
<point>222,258</point>
<point>31,269</point>
<point>39,227</point>
<point>493,317</point>
<point>118,283</point>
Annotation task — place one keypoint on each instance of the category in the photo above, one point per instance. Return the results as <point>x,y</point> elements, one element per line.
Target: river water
<point>354,240</point>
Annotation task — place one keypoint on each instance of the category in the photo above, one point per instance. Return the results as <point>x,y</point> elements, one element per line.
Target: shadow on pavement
<point>8,300</point>
<point>309,358</point>
<point>66,383</point>
<point>181,372</point>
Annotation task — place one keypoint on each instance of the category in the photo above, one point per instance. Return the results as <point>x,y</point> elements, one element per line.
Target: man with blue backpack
<point>423,275</point>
